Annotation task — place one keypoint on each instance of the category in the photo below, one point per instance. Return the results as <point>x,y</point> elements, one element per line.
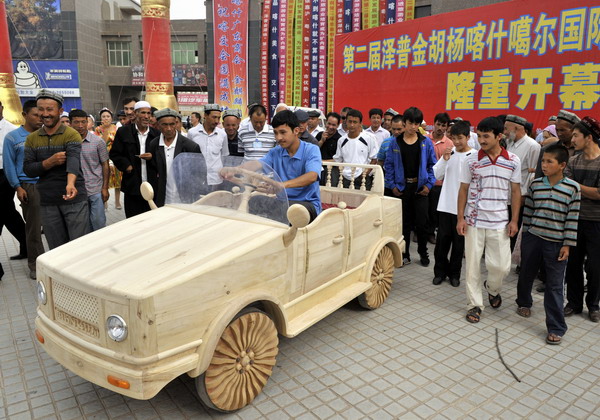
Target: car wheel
<point>241,364</point>
<point>382,276</point>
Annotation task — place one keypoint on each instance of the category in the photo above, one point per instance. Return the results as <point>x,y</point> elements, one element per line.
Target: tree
<point>34,29</point>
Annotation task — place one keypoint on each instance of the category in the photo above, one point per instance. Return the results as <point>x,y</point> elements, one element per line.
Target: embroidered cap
<point>232,113</point>
<point>552,118</point>
<point>516,119</point>
<point>568,117</point>
<point>166,112</point>
<point>301,115</point>
<point>121,113</point>
<point>211,107</point>
<point>391,112</point>
<point>314,113</point>
<point>593,125</point>
<point>49,94</point>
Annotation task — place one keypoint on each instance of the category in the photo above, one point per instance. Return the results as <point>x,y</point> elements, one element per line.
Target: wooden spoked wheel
<point>382,276</point>
<point>242,362</point>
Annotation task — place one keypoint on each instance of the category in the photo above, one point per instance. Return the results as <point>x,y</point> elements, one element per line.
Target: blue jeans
<point>536,251</point>
<point>97,215</point>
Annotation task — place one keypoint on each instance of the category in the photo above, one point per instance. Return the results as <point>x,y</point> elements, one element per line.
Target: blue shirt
<point>307,159</point>
<point>13,153</point>
<point>385,146</point>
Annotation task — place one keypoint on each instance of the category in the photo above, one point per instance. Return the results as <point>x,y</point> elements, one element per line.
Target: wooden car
<point>204,290</point>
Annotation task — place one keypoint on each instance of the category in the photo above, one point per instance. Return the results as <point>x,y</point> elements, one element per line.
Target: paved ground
<point>416,357</point>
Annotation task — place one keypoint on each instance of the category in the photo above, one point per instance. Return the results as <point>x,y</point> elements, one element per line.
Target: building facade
<point>104,39</point>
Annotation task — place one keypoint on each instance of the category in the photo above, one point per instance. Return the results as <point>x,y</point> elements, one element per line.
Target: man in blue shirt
<point>13,154</point>
<point>297,163</point>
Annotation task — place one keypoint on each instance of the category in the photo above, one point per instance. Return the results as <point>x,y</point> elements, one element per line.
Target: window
<point>119,53</point>
<point>184,52</point>
<point>422,11</point>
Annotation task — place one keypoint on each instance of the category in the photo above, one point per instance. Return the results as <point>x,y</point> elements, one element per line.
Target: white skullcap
<point>141,104</point>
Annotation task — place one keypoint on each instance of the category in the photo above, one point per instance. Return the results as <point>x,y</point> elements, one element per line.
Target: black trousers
<point>9,216</point>
<point>448,238</point>
<point>513,239</point>
<point>134,205</point>
<point>588,245</point>
<point>536,252</point>
<point>434,218</point>
<point>414,217</point>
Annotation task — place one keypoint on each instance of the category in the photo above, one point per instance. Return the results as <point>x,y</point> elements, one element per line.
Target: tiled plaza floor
<point>415,357</point>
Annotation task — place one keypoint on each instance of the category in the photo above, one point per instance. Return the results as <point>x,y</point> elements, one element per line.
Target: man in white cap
<point>64,119</point>
<point>164,148</point>
<point>128,154</point>
<point>212,141</point>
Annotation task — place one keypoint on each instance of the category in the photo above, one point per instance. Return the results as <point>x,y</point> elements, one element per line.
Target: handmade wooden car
<point>204,290</point>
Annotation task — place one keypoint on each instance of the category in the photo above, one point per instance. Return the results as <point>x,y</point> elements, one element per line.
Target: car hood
<point>146,254</point>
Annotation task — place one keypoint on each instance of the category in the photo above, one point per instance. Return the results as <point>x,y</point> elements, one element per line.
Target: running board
<point>312,308</point>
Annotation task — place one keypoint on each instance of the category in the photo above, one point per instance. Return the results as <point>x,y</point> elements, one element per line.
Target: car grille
<point>76,309</point>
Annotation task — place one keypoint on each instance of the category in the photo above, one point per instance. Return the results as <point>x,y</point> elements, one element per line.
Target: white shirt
<point>142,139</point>
<point>253,144</point>
<point>5,128</point>
<point>473,142</point>
<point>380,135</point>
<point>316,131</point>
<point>213,147</point>
<point>449,171</point>
<point>171,195</point>
<point>361,150</point>
<point>342,131</point>
<point>528,151</point>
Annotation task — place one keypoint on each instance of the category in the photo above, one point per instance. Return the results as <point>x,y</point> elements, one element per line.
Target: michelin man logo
<point>24,78</point>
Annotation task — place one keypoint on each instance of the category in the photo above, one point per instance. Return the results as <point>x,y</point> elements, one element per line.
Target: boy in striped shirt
<point>549,229</point>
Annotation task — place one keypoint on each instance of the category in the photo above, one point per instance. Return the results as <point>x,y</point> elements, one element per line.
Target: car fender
<point>264,300</point>
<point>385,241</point>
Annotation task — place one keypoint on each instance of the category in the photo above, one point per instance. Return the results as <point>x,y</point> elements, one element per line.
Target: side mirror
<point>298,217</point>
<point>148,194</point>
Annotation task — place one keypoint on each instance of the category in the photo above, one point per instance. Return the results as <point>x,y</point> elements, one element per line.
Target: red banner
<point>520,57</point>
<point>264,53</point>
<point>231,53</point>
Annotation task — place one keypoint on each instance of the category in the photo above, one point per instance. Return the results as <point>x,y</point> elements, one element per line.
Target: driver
<point>298,163</point>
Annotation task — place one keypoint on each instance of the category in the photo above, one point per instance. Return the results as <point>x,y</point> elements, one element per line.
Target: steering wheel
<point>251,181</point>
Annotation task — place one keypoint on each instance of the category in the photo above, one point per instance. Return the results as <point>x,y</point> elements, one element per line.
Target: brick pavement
<point>415,357</point>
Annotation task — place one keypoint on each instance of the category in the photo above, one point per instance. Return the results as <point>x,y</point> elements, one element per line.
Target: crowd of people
<point>492,192</point>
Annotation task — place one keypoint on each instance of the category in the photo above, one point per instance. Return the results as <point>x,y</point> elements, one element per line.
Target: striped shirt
<point>93,154</point>
<point>255,145</point>
<point>40,146</point>
<point>489,187</point>
<point>586,172</point>
<point>551,211</point>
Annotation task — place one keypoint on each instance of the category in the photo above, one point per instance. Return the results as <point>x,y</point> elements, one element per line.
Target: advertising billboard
<point>61,76</point>
<point>521,57</point>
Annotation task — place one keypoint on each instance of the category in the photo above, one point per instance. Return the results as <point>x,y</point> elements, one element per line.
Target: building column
<point>8,94</point>
<point>156,39</point>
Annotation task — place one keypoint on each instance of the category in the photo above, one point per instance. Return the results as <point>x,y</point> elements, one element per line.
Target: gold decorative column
<point>8,94</point>
<point>156,39</point>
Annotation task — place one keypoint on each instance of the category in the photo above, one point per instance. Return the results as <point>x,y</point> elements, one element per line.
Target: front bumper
<point>146,376</point>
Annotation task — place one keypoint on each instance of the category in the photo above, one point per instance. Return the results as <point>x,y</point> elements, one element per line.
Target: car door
<point>327,248</point>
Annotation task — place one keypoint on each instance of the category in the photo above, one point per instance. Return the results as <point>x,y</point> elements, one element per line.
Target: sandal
<point>473,315</point>
<point>524,312</point>
<point>553,339</point>
<point>495,301</point>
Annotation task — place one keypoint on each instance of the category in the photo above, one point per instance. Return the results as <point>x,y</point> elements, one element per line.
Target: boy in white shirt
<point>448,168</point>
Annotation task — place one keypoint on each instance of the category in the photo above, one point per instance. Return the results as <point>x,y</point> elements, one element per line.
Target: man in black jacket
<point>129,154</point>
<point>164,148</point>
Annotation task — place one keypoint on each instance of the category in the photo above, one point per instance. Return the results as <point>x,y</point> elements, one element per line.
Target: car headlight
<point>116,328</point>
<point>41,293</point>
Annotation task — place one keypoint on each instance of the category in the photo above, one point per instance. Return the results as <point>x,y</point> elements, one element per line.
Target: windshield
<point>246,187</point>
